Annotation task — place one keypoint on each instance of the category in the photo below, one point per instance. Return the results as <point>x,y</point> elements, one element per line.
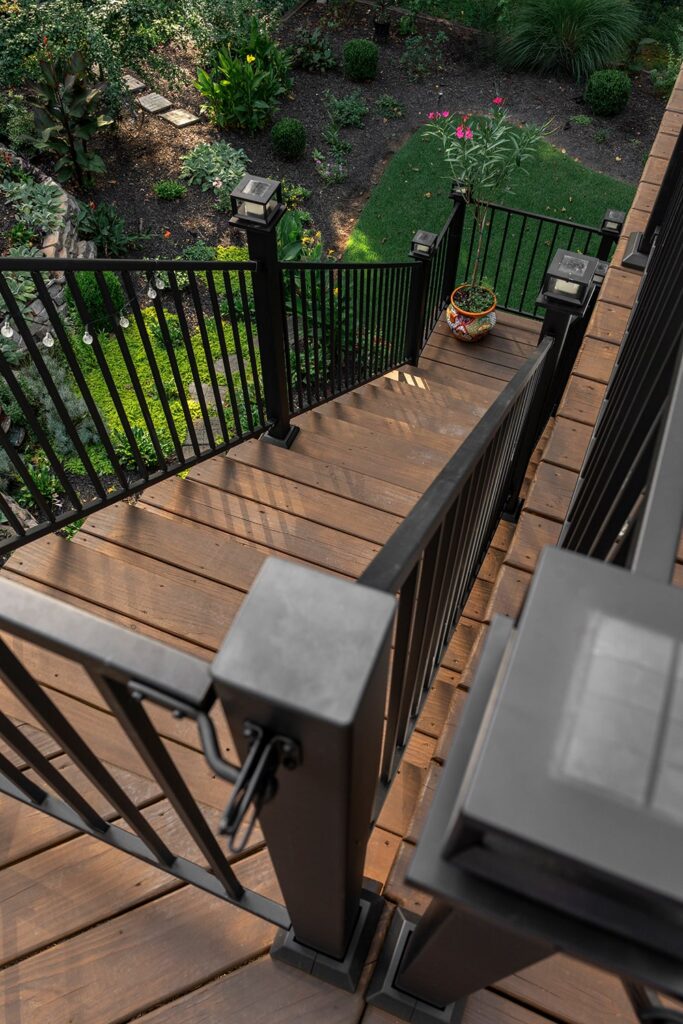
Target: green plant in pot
<point>482,152</point>
<point>381,23</point>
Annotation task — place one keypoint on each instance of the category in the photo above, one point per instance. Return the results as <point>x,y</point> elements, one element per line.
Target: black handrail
<point>432,559</point>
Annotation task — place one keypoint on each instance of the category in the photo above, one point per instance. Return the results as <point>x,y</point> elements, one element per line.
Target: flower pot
<point>466,325</point>
<point>381,31</point>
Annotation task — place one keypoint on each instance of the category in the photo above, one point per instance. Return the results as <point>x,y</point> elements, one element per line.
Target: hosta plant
<point>37,206</point>
<point>66,118</point>
<point>482,153</point>
<point>215,166</point>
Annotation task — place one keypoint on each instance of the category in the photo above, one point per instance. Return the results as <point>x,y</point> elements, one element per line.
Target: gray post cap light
<point>422,244</point>
<point>255,201</point>
<point>568,280</point>
<point>613,222</point>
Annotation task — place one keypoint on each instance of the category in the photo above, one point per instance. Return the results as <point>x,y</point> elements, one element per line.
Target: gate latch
<point>256,783</point>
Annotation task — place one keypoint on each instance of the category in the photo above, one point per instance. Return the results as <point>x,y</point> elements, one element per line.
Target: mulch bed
<point>145,149</point>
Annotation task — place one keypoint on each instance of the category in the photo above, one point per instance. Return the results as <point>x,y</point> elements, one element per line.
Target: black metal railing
<point>615,473</point>
<point>346,324</point>
<point>442,269</point>
<point>115,374</point>
<point>516,250</point>
<point>432,559</point>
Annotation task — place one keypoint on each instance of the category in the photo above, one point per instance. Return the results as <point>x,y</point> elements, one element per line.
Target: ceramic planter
<point>466,325</point>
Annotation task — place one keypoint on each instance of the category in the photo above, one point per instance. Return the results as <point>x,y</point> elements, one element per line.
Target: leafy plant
<point>293,196</point>
<point>289,138</point>
<point>124,450</point>
<point>421,55</point>
<point>346,111</point>
<point>37,206</point>
<point>19,281</point>
<point>338,147</point>
<point>574,36</point>
<point>169,190</point>
<point>244,84</point>
<point>664,76</point>
<point>331,169</point>
<point>97,315</point>
<point>483,152</point>
<point>601,136</point>
<point>235,254</point>
<point>200,251</point>
<point>214,165</point>
<point>107,229</point>
<point>66,119</point>
<point>360,60</point>
<point>20,234</point>
<point>388,107</point>
<point>607,92</point>
<point>215,23</point>
<point>312,52</point>
<point>294,241</point>
<point>16,122</point>
<point>581,119</point>
<point>44,479</point>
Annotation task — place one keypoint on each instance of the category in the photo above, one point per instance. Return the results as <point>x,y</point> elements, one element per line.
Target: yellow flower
<point>250,58</point>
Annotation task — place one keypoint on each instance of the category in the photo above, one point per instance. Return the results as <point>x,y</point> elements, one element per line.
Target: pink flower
<point>498,100</point>
<point>460,132</point>
<point>468,134</point>
<point>445,113</point>
<point>431,116</point>
<point>466,118</point>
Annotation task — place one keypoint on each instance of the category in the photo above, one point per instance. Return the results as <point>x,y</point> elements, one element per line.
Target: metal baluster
<point>208,355</point>
<point>225,355</point>
<point>256,363</point>
<point>239,355</point>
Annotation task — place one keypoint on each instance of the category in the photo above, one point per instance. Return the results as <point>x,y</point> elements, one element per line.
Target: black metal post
<point>307,659</point>
<point>421,251</point>
<point>453,243</point>
<point>268,313</point>
<point>640,242</point>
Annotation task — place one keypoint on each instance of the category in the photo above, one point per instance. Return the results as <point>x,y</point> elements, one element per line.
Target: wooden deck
<point>90,936</point>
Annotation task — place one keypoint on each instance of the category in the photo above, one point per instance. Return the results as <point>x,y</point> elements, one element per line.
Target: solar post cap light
<point>569,278</point>
<point>422,244</point>
<point>255,200</point>
<point>558,822</point>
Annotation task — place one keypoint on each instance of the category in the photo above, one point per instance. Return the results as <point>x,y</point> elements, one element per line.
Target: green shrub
<point>574,36</point>
<point>294,196</point>
<point>607,92</point>
<point>289,138</point>
<point>665,74</point>
<point>169,190</point>
<point>125,452</point>
<point>581,120</point>
<point>44,479</point>
<point>244,84</point>
<point>19,282</point>
<point>422,55</point>
<point>37,206</point>
<point>346,111</point>
<point>200,251</point>
<point>16,122</point>
<point>88,287</point>
<point>360,60</point>
<point>105,226</point>
<point>388,107</point>
<point>312,51</point>
<point>332,169</point>
<point>214,165</point>
<point>235,254</point>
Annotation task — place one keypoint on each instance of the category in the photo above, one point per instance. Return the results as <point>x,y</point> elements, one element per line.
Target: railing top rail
<point>76,264</point>
<point>330,265</point>
<point>390,568</point>
<point>102,646</point>
<point>541,216</point>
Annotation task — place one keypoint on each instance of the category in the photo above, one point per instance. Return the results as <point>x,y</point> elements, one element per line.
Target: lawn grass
<point>413,194</point>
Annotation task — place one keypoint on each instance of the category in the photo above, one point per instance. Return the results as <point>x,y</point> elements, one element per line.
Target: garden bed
<point>148,149</point>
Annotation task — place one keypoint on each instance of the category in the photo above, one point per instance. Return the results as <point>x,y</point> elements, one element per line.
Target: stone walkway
<point>154,103</point>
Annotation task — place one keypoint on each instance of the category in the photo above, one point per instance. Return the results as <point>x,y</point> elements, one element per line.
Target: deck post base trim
<point>282,442</point>
<point>382,991</point>
<point>633,258</point>
<point>340,973</point>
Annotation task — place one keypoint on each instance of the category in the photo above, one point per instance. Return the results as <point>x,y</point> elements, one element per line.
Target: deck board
<point>176,566</point>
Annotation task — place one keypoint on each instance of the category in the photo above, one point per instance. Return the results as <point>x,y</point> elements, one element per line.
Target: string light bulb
<point>48,340</point>
<point>151,293</point>
<point>6,330</point>
<point>87,337</point>
<point>159,283</point>
<point>124,321</point>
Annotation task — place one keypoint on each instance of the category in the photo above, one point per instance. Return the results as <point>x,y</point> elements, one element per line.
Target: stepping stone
<point>133,84</point>
<point>153,103</point>
<point>180,118</point>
